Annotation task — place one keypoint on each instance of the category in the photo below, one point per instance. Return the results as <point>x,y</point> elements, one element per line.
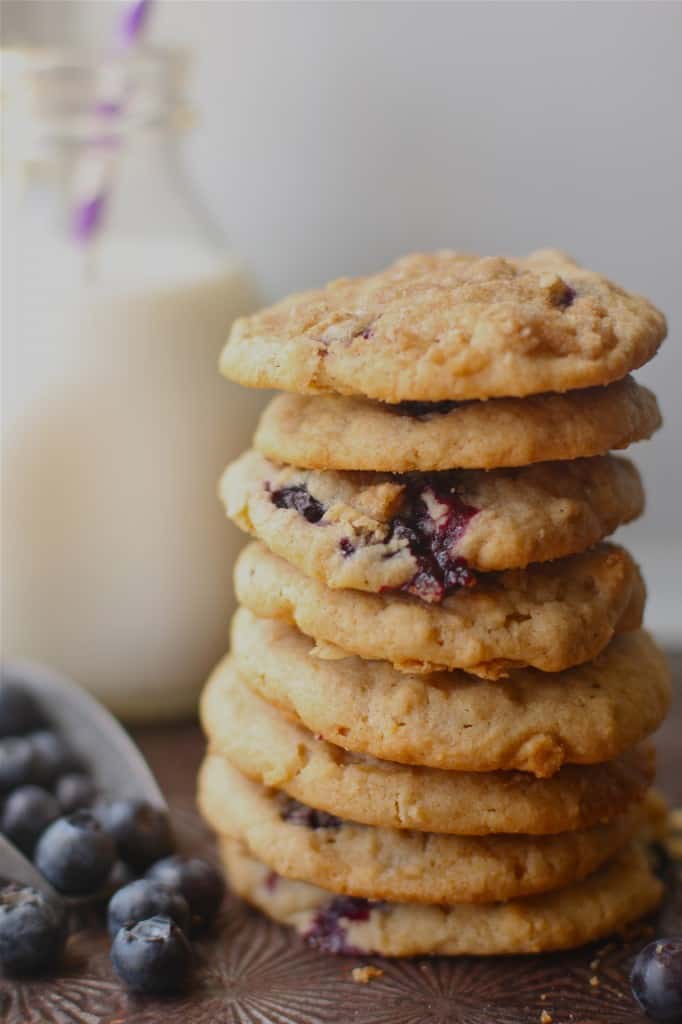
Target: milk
<point>116,556</point>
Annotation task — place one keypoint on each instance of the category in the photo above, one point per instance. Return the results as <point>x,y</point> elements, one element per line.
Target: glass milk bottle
<point>116,556</point>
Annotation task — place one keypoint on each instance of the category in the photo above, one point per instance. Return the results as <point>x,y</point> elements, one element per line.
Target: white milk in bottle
<point>116,556</point>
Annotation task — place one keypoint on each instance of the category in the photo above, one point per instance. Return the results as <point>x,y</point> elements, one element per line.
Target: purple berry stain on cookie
<point>301,500</point>
<point>566,297</point>
<point>296,813</point>
<point>422,410</point>
<point>271,881</point>
<point>327,931</point>
<point>434,521</point>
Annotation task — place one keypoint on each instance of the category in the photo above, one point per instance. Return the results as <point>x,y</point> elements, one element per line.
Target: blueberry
<point>17,763</point>
<point>19,712</point>
<point>300,814</point>
<point>27,812</point>
<point>75,790</point>
<point>32,930</point>
<point>328,931</point>
<point>142,833</point>
<point>52,756</point>
<point>144,899</point>
<point>152,957</point>
<point>199,882</point>
<point>75,854</point>
<point>432,522</point>
<point>656,979</point>
<point>301,500</point>
<point>422,410</point>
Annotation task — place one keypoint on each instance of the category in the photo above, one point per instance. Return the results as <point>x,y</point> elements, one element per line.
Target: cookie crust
<point>270,749</point>
<point>391,864</point>
<point>509,517</point>
<point>531,722</point>
<point>617,895</point>
<point>550,616</point>
<point>447,325</point>
<point>333,432</point>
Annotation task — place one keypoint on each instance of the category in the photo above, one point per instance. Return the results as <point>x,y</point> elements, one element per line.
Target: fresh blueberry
<point>75,790</point>
<point>75,854</point>
<point>27,812</point>
<point>17,763</point>
<point>142,833</point>
<point>656,980</point>
<point>19,712</point>
<point>32,930</point>
<point>52,756</point>
<point>143,899</point>
<point>199,882</point>
<point>151,957</point>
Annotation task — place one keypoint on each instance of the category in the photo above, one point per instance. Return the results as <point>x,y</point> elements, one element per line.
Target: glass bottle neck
<point>93,158</point>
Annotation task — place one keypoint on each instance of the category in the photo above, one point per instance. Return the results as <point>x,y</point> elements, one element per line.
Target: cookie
<point>549,616</point>
<point>531,722</point>
<point>447,325</point>
<point>269,748</point>
<point>333,432</point>
<point>428,535</point>
<point>605,902</point>
<point>301,843</point>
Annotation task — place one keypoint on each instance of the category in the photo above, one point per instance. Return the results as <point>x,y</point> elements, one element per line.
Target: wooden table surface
<point>251,971</point>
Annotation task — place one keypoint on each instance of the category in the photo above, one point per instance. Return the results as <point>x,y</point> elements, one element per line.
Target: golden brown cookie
<point>448,325</point>
<point>268,748</point>
<point>425,534</point>
<point>532,721</point>
<point>605,902</point>
<point>333,432</point>
<point>549,616</point>
<point>299,842</point>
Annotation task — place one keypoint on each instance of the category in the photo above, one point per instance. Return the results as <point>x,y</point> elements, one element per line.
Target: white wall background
<point>335,136</point>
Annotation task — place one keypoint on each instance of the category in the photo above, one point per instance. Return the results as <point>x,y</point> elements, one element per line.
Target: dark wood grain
<point>251,971</point>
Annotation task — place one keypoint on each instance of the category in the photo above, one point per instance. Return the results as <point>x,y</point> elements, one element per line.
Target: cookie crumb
<point>363,975</point>
<point>594,981</point>
<point>546,1018</point>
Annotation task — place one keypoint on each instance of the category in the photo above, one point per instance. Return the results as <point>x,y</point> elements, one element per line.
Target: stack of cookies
<point>431,733</point>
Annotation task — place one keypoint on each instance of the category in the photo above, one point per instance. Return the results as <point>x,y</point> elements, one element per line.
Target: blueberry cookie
<point>333,432</point>
<point>549,616</point>
<point>275,751</point>
<point>447,325</point>
<point>302,843</point>
<point>605,902</point>
<point>428,535</point>
<point>532,721</point>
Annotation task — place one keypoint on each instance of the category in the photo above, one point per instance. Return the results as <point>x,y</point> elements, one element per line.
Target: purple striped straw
<point>133,23</point>
<point>97,169</point>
